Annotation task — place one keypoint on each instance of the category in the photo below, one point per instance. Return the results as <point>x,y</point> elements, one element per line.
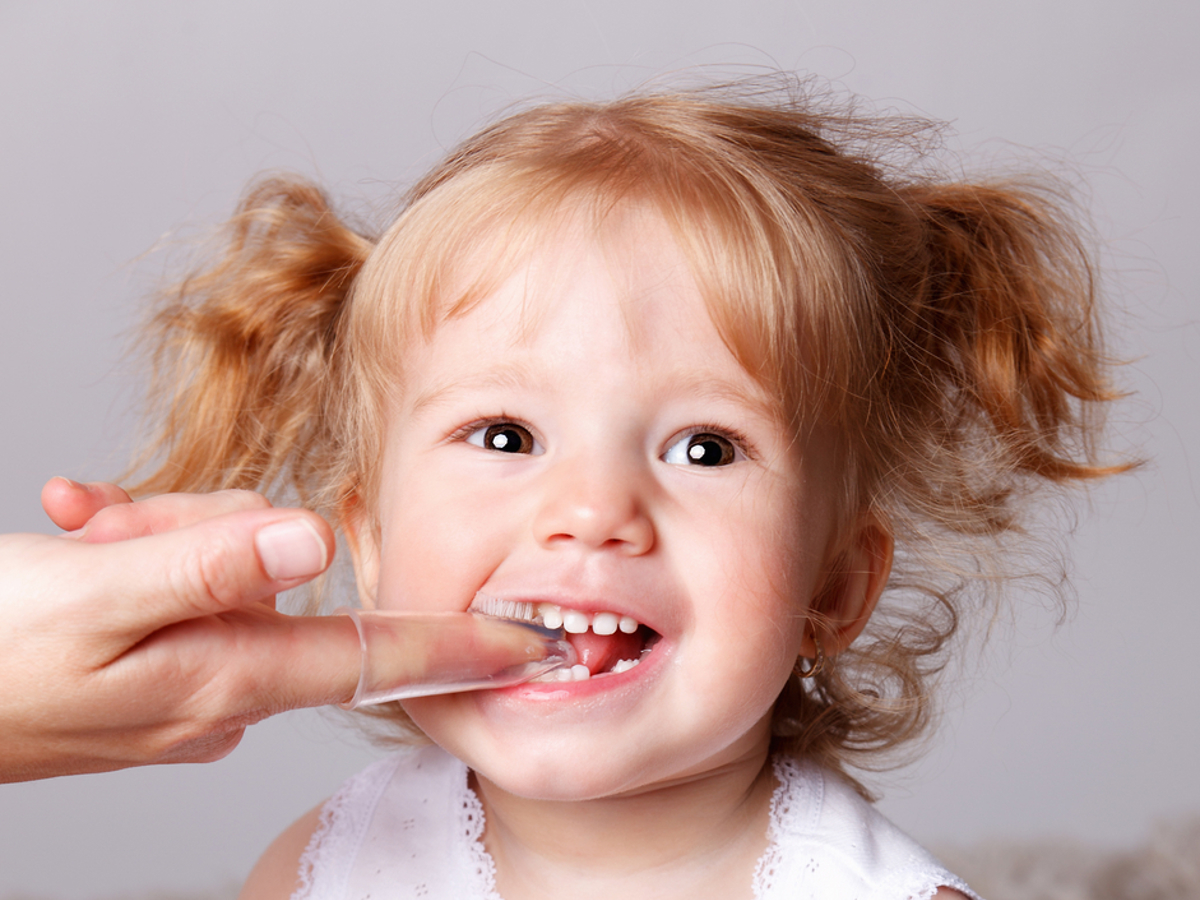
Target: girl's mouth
<point>606,643</point>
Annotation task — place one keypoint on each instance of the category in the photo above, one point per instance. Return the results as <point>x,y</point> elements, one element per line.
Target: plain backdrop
<point>129,125</point>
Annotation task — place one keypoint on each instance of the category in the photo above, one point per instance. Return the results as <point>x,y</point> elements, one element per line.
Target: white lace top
<point>410,826</point>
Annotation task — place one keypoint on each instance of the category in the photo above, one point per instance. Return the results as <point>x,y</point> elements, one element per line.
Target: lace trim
<point>479,865</point>
<point>918,879</point>
<point>340,830</point>
<point>310,859</point>
<point>782,819</point>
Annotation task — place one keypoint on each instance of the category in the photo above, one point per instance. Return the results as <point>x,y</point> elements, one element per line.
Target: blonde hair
<point>947,331</point>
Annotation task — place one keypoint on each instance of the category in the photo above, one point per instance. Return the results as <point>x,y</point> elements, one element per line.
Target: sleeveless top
<point>410,826</point>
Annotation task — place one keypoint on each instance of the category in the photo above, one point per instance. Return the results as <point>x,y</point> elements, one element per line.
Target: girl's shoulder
<point>827,840</point>
<point>409,821</point>
<point>276,875</point>
<point>314,855</point>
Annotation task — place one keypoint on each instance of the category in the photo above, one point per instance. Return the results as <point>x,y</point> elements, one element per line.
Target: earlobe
<point>364,551</point>
<point>841,611</point>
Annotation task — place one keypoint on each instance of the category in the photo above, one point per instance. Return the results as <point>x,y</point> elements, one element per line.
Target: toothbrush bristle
<point>505,609</point>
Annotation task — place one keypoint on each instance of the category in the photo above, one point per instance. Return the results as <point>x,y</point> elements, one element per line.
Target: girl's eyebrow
<point>715,387</point>
<point>513,376</point>
<point>516,376</point>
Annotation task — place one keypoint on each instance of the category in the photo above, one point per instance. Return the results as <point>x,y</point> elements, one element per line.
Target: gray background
<point>128,124</point>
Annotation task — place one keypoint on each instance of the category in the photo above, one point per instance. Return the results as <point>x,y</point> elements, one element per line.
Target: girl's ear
<point>364,550</point>
<point>842,608</point>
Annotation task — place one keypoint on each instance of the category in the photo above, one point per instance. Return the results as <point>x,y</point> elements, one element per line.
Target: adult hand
<point>148,632</point>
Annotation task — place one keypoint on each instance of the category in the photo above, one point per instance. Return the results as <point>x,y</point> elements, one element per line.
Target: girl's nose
<point>597,509</point>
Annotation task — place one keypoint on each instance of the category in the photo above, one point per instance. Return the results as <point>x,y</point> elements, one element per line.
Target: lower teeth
<point>581,672</point>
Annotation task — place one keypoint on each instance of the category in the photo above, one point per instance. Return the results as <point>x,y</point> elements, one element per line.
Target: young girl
<point>703,378</point>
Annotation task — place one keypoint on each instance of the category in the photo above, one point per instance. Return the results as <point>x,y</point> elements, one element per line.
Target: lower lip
<point>595,687</point>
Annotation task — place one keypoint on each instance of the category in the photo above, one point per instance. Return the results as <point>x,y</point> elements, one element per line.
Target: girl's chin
<point>575,774</point>
<point>560,780</point>
<point>573,764</point>
<point>567,758</point>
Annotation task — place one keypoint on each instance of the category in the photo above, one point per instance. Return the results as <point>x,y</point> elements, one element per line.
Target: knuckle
<point>206,697</point>
<point>195,742</point>
<point>237,499</point>
<point>211,574</point>
<point>115,523</point>
<point>213,747</point>
<point>201,728</point>
<point>108,493</point>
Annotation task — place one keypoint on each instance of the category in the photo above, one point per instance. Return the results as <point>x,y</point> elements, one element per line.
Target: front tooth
<point>580,672</point>
<point>604,623</point>
<point>552,616</point>
<point>628,624</point>
<point>575,622</point>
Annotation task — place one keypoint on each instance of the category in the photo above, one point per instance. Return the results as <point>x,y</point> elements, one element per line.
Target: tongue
<point>600,652</point>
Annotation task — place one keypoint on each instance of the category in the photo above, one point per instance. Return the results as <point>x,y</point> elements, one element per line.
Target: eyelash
<point>739,440</point>
<point>465,431</point>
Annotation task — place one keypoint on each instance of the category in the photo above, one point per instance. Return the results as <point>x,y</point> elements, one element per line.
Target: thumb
<point>213,566</point>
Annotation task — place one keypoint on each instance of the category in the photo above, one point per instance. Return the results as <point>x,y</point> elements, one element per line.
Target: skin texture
<point>147,633</point>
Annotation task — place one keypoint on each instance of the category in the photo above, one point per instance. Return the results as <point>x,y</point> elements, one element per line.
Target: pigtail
<point>241,350</point>
<point>1002,350</point>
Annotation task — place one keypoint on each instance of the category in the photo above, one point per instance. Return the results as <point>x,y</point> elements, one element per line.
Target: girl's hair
<point>946,330</point>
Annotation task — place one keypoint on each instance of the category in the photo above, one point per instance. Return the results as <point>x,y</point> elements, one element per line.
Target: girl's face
<point>583,438</point>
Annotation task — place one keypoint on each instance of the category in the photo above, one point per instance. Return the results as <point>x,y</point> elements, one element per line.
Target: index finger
<point>256,664</point>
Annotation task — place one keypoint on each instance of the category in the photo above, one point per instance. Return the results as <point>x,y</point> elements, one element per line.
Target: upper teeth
<point>552,615</point>
<point>576,622</point>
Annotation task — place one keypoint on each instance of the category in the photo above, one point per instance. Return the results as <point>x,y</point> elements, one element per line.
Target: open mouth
<point>605,643</point>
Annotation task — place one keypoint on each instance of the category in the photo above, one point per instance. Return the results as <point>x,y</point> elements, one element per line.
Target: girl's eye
<point>702,449</point>
<point>504,437</point>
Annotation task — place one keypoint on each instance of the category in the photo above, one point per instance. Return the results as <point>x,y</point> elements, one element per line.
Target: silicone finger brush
<point>417,654</point>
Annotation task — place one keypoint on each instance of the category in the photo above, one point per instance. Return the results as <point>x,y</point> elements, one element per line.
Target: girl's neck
<point>697,838</point>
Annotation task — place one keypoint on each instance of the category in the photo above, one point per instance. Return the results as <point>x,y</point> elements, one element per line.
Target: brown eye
<point>703,449</point>
<point>504,437</point>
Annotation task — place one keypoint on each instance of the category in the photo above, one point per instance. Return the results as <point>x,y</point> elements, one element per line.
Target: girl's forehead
<point>532,262</point>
